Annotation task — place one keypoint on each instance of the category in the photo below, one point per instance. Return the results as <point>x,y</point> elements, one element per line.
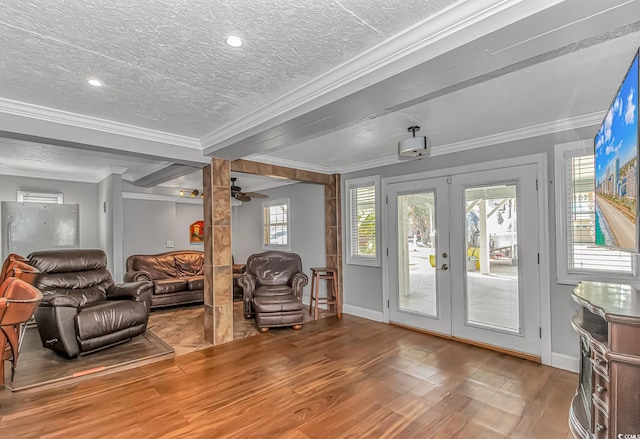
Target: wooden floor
<point>334,378</point>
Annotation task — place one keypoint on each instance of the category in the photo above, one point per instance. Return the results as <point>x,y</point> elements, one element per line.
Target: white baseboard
<point>566,362</point>
<point>363,312</point>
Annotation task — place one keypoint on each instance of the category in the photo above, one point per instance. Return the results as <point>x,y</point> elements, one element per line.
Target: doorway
<point>463,257</point>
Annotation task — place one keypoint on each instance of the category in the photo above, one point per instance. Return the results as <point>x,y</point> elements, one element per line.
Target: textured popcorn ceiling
<point>165,64</point>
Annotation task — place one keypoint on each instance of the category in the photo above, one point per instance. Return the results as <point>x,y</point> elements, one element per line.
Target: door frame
<point>540,160</point>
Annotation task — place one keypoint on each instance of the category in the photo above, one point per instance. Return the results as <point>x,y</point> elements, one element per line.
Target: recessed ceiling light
<point>234,41</point>
<point>95,83</point>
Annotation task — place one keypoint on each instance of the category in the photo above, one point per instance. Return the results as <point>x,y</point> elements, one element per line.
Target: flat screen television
<point>616,168</point>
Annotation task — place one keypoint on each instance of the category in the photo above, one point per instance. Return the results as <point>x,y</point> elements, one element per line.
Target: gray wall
<point>306,205</point>
<point>83,194</point>
<point>363,285</point>
<point>187,214</point>
<point>149,224</point>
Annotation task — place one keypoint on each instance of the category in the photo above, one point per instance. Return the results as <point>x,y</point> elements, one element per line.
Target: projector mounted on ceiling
<point>414,147</point>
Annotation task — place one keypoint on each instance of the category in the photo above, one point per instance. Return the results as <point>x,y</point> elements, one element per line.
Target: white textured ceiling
<point>166,67</point>
<point>165,63</point>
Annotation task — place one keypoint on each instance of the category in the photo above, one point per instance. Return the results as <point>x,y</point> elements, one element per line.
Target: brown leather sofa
<point>272,285</point>
<point>177,277</point>
<point>83,310</point>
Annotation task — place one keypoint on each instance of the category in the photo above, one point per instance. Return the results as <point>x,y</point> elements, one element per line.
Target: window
<point>362,225</point>
<point>577,256</point>
<point>275,222</point>
<point>39,197</point>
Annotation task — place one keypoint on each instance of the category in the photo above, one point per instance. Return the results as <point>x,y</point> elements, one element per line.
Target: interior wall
<point>187,214</point>
<point>363,285</point>
<point>307,231</point>
<point>149,224</point>
<point>83,194</point>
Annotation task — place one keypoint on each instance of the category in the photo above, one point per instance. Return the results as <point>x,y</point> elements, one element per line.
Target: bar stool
<point>331,276</point>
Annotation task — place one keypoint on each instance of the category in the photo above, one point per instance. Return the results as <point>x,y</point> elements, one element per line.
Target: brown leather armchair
<point>272,289</point>
<point>83,310</point>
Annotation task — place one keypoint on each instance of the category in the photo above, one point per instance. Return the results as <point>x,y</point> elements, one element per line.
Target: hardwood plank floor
<point>346,378</point>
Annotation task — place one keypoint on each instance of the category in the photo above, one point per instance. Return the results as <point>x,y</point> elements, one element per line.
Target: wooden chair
<point>18,302</point>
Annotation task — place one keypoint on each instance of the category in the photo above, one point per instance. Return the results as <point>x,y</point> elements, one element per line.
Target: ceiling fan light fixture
<point>414,147</point>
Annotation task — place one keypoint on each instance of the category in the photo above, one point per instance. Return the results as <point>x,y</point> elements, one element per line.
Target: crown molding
<point>556,126</point>
<point>464,20</point>
<point>76,120</point>
<point>370,164</point>
<point>271,160</point>
<point>94,177</point>
<point>75,177</point>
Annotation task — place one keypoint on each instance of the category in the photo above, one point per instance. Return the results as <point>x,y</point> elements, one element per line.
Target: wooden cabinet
<point>607,402</point>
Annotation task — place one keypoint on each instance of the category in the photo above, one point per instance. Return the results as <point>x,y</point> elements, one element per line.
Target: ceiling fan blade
<point>256,195</point>
<point>242,197</point>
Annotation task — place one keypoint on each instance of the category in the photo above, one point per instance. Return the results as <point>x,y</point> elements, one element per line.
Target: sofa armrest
<point>298,281</point>
<point>130,290</point>
<point>137,276</point>
<point>248,284</point>
<point>239,268</point>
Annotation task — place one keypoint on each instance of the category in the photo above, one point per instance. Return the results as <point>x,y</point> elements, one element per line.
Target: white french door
<point>463,256</point>
<point>418,254</point>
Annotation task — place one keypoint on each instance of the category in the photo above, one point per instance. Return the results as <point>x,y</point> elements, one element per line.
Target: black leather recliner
<point>83,310</point>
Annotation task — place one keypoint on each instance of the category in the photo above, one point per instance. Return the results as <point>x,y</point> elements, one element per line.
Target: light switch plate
<point>169,244</point>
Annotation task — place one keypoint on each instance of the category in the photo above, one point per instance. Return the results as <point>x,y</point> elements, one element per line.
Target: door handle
<point>444,267</point>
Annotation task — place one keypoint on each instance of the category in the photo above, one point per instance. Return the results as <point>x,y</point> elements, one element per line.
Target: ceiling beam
<point>265,169</point>
<point>163,175</point>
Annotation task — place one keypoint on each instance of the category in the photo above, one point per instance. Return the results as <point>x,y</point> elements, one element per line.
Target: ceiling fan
<point>236,192</point>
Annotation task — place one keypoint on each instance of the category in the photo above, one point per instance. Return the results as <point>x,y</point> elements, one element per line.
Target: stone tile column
<point>218,281</point>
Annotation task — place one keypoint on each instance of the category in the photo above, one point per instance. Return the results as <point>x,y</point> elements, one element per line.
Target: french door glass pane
<point>416,254</point>
<point>492,294</point>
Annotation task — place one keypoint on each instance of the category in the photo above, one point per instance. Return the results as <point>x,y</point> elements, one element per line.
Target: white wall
<point>307,233</point>
<point>110,223</point>
<point>363,285</point>
<point>149,224</point>
<point>83,194</point>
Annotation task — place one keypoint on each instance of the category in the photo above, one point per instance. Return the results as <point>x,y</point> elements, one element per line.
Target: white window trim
<point>371,261</point>
<point>562,152</point>
<point>270,203</point>
<point>26,197</point>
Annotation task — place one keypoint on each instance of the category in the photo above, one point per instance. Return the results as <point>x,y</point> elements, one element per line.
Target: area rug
<point>38,367</point>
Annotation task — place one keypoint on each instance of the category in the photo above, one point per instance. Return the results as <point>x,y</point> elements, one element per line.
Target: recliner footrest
<point>276,304</point>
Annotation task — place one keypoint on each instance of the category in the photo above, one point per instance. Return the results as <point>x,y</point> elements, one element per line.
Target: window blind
<point>582,253</point>
<point>276,225</point>
<point>363,221</point>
